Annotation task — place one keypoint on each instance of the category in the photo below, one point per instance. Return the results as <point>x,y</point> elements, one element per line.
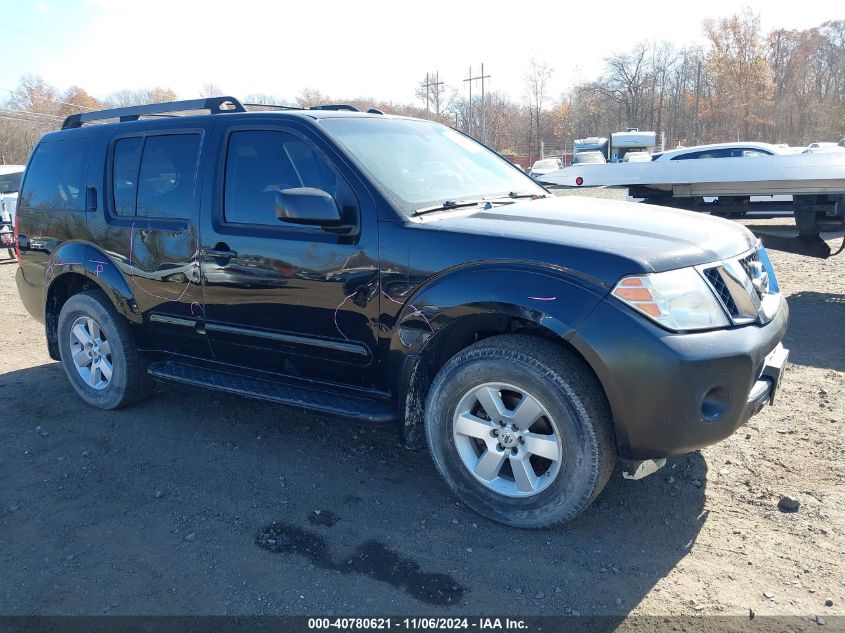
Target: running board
<point>315,400</point>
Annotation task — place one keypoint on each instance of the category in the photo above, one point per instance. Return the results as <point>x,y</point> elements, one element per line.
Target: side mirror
<point>306,205</point>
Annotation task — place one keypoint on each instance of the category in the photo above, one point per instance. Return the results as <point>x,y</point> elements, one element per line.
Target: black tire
<point>566,386</point>
<point>129,380</point>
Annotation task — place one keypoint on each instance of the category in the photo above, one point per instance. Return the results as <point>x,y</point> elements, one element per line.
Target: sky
<point>347,48</point>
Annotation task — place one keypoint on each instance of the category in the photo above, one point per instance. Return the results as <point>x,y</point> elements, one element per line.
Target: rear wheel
<point>521,431</point>
<point>98,353</point>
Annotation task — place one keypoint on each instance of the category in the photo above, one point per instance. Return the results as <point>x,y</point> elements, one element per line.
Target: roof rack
<point>215,105</point>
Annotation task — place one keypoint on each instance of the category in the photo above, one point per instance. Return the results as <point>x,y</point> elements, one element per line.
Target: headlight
<point>676,299</point>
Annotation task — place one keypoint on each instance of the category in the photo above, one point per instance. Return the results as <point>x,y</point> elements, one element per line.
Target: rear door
<point>149,228</point>
<point>290,299</point>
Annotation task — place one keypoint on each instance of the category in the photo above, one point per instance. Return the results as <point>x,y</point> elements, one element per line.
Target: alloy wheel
<point>91,353</point>
<point>507,439</point>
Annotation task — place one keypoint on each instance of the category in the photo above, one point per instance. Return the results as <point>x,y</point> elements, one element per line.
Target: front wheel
<point>98,353</point>
<point>520,429</point>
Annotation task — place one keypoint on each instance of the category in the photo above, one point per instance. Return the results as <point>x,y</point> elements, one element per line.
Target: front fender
<point>458,300</point>
<point>552,298</point>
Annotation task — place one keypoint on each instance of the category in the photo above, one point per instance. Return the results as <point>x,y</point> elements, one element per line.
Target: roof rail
<point>277,106</point>
<point>334,106</point>
<point>215,105</point>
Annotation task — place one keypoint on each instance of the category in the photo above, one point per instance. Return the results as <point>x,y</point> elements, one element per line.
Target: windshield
<point>10,183</point>
<point>420,163</point>
<point>548,163</point>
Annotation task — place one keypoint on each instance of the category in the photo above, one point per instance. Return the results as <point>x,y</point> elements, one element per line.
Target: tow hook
<point>644,468</point>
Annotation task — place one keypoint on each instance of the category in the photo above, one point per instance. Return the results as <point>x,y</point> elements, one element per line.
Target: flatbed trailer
<point>810,186</point>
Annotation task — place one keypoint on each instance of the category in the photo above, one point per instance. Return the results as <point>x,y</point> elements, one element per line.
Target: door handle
<point>91,198</point>
<point>219,253</point>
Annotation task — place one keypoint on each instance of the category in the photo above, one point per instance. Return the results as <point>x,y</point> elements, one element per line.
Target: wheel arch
<point>76,268</point>
<point>431,327</point>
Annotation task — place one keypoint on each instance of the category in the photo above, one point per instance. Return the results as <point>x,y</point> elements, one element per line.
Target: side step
<point>318,401</point>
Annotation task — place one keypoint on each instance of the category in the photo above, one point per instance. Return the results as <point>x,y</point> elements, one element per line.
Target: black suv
<point>383,268</point>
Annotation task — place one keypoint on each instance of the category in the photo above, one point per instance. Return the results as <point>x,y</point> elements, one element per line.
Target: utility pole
<point>695,125</point>
<point>469,80</point>
<point>428,86</point>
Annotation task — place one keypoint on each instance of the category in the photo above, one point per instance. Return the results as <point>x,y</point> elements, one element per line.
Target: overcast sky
<point>345,48</point>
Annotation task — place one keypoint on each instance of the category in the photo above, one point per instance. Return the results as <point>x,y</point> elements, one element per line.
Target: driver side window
<point>261,163</point>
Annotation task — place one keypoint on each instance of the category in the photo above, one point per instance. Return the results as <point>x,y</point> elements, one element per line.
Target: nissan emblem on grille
<point>759,277</point>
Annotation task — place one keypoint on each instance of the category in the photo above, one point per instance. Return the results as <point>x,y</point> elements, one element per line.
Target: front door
<point>292,299</point>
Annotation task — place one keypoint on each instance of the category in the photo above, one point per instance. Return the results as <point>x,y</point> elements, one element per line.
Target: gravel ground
<point>199,503</point>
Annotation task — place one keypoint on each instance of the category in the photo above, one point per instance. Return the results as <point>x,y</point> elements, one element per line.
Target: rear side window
<point>154,177</point>
<point>127,160</point>
<point>55,178</point>
<point>259,164</point>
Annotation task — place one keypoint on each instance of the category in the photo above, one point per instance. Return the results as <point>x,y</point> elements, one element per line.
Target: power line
<point>23,120</point>
<point>32,114</point>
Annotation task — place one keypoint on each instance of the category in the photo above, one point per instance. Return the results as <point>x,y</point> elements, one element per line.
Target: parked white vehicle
<point>724,150</point>
<point>621,143</point>
<point>545,166</point>
<point>10,185</point>
<point>637,156</point>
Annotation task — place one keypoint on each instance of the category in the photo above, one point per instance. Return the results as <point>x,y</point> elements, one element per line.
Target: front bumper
<point>675,393</point>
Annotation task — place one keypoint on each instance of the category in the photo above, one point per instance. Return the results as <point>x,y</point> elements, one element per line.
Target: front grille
<point>715,278</point>
<point>746,261</point>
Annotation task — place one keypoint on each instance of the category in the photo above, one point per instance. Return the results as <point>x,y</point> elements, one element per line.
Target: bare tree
<point>740,74</point>
<point>209,89</point>
<point>33,94</point>
<point>126,97</point>
<point>435,94</point>
<point>536,86</point>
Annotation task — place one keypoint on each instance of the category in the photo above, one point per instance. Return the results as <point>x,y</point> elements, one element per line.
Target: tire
<point>572,406</point>
<point>127,381</point>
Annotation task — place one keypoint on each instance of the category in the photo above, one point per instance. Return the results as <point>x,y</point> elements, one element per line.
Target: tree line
<point>786,86</point>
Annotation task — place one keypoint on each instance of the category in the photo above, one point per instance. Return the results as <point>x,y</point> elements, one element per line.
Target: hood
<point>603,239</point>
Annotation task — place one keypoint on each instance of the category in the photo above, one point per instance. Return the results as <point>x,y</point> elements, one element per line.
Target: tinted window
<point>167,175</point>
<point>56,176</point>
<point>127,159</point>
<point>259,164</point>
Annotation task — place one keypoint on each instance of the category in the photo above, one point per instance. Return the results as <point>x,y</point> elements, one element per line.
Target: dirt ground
<point>168,507</point>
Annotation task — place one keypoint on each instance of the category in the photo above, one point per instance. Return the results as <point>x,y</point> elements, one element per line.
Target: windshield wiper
<point>448,205</point>
<point>513,195</point>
